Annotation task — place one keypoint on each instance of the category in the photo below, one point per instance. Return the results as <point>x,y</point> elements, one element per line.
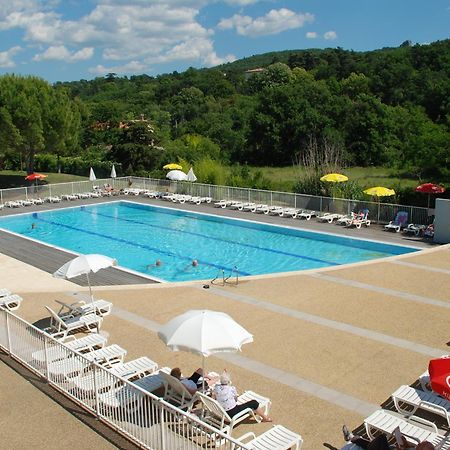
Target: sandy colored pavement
<point>297,323</point>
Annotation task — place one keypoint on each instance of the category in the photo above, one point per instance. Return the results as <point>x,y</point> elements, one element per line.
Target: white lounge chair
<point>137,368</point>
<point>217,417</point>
<point>224,203</point>
<point>241,205</point>
<point>53,199</point>
<point>346,219</point>
<point>69,197</point>
<point>306,214</point>
<point>37,201</point>
<point>14,204</point>
<point>399,222</point>
<point>63,326</point>
<point>275,210</point>
<point>4,292</point>
<point>276,438</point>
<point>411,427</point>
<point>27,202</point>
<point>99,307</point>
<point>329,217</point>
<point>418,399</point>
<point>359,219</point>
<point>54,353</point>
<point>412,228</point>
<point>289,212</point>
<point>72,366</point>
<point>175,391</point>
<point>11,302</point>
<point>254,206</point>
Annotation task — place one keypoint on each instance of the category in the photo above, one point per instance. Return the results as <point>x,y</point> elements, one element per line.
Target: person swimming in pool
<point>158,263</point>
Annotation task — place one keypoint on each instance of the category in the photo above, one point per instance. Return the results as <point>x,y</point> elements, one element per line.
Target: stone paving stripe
<point>363,332</point>
<point>420,266</point>
<point>300,384</point>
<point>382,290</point>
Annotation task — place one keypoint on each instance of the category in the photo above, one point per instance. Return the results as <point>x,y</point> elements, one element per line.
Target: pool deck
<point>329,346</point>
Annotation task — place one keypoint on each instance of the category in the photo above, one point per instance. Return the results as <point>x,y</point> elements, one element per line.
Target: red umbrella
<point>35,176</point>
<point>439,370</point>
<point>430,188</point>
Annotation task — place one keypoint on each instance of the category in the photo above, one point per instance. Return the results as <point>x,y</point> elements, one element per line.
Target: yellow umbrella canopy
<point>380,191</point>
<point>172,166</point>
<point>334,178</point>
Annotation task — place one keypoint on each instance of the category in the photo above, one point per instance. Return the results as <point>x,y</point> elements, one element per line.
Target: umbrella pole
<point>90,289</point>
<point>203,373</point>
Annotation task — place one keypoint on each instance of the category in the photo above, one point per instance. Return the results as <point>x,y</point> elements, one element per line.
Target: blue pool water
<point>137,235</point>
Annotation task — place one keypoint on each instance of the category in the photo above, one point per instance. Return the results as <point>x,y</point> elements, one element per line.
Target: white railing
<point>142,417</point>
<point>378,212</point>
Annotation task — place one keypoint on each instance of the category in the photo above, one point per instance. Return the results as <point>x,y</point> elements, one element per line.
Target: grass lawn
<point>12,179</point>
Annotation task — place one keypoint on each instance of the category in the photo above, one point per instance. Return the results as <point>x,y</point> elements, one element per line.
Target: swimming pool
<point>138,235</point>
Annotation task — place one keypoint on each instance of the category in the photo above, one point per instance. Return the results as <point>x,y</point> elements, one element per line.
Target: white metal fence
<point>378,212</point>
<point>144,418</point>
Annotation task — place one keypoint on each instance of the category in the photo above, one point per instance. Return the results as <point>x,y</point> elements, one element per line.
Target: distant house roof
<point>258,69</point>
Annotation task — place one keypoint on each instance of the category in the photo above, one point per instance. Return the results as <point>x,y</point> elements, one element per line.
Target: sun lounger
<point>276,210</point>
<point>359,220</point>
<point>99,307</point>
<point>11,302</point>
<point>345,219</point>
<point>37,201</point>
<point>306,214</point>
<point>124,396</point>
<point>412,428</point>
<point>27,202</point>
<point>241,205</point>
<point>398,223</point>
<point>2,205</point>
<point>55,353</point>
<point>181,198</point>
<point>254,206</point>
<point>73,366</point>
<point>4,292</point>
<point>276,438</point>
<point>175,391</point>
<point>14,204</point>
<point>152,194</point>
<point>53,199</point>
<point>418,399</point>
<point>69,197</point>
<point>289,212</point>
<point>198,200</point>
<point>135,369</point>
<point>417,230</point>
<point>63,326</point>
<point>329,217</point>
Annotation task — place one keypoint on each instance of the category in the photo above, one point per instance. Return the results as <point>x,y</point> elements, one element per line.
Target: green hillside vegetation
<point>307,112</point>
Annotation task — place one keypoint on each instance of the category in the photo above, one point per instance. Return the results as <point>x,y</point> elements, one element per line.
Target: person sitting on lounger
<point>226,395</point>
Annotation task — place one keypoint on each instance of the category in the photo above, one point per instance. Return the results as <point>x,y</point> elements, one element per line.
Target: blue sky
<point>63,40</point>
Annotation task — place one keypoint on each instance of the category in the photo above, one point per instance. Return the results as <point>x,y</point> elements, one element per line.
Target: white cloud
<point>130,67</point>
<point>60,52</point>
<point>330,35</point>
<point>6,57</point>
<point>274,22</point>
<point>130,33</point>
<point>311,35</point>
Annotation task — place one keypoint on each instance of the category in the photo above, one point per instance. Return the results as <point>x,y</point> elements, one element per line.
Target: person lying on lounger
<point>226,395</point>
<point>195,381</point>
<point>355,442</point>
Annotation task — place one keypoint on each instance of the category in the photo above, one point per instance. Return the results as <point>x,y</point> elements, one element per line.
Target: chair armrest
<point>422,421</point>
<point>432,406</point>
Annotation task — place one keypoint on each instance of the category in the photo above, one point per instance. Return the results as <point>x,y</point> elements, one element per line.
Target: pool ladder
<point>233,276</point>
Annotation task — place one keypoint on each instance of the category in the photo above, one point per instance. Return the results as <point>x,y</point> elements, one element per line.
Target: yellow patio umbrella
<point>334,178</point>
<point>172,166</point>
<point>379,191</point>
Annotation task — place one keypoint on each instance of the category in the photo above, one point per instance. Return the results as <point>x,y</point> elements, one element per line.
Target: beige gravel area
<point>355,365</point>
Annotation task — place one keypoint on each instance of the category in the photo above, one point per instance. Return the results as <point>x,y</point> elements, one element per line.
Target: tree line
<point>388,107</point>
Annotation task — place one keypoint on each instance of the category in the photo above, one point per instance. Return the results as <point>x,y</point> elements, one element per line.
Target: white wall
<point>442,221</point>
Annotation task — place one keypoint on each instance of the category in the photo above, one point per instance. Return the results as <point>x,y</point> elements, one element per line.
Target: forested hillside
<point>387,107</point>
